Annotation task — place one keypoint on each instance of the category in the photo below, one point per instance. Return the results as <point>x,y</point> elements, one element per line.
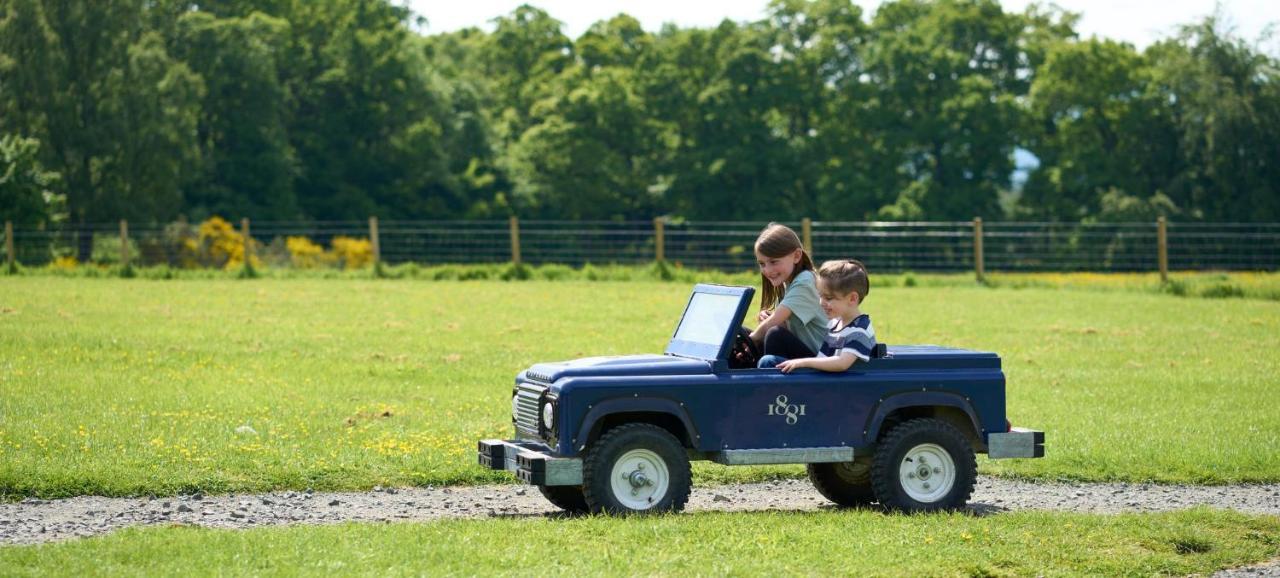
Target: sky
<point>1139,22</point>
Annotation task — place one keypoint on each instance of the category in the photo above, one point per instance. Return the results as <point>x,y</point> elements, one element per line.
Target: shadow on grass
<point>976,510</point>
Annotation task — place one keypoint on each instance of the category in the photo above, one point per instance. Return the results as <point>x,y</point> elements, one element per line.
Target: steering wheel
<point>745,353</point>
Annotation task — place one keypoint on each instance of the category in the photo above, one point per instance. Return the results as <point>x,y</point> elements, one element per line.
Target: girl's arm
<point>780,316</point>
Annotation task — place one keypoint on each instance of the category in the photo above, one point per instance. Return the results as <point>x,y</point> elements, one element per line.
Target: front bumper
<point>532,462</point>
<point>1016,443</point>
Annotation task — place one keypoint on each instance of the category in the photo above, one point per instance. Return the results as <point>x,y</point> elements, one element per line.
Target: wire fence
<point>884,246</point>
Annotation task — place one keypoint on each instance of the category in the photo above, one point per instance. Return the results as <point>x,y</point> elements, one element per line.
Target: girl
<point>791,322</point>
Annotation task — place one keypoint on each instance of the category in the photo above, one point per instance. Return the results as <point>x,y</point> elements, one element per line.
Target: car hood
<point>626,365</point>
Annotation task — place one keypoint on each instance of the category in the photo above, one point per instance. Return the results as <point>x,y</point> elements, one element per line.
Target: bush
<point>218,244</point>
<point>352,253</point>
<point>515,272</point>
<point>1222,291</point>
<point>1174,287</point>
<point>555,272</point>
<point>304,254</point>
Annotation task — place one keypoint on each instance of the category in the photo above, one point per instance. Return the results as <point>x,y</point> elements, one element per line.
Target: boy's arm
<point>780,316</point>
<point>839,362</point>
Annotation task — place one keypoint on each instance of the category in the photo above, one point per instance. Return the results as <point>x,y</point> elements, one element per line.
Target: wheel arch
<point>948,407</point>
<point>667,414</point>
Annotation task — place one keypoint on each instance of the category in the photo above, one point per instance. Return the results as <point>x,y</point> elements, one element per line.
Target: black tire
<point>598,465</point>
<point>847,484</point>
<point>567,498</point>
<point>933,437</point>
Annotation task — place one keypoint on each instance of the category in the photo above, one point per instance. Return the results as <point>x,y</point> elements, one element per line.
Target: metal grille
<point>527,396</point>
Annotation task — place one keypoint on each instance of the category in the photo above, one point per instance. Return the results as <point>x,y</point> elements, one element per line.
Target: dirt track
<point>35,521</point>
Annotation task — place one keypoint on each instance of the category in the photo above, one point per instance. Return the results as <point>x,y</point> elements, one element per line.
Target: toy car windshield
<point>710,319</point>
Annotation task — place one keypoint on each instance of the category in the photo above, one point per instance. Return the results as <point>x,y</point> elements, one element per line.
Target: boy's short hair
<point>845,276</point>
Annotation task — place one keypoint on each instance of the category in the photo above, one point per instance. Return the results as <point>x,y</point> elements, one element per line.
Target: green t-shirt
<point>807,321</point>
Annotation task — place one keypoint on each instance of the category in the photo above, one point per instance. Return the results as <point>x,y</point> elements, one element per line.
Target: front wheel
<point>923,465</point>
<point>567,498</point>
<point>636,468</point>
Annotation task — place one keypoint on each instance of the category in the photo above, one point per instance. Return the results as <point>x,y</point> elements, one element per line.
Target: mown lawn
<point>129,387</point>
<point>847,543</point>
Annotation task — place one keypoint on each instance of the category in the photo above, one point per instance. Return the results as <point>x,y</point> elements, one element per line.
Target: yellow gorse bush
<point>219,244</point>
<point>305,254</point>
<point>347,252</point>
<point>353,253</point>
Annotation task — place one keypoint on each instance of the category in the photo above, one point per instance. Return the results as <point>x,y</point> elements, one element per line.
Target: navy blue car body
<point>721,408</point>
<point>754,416</point>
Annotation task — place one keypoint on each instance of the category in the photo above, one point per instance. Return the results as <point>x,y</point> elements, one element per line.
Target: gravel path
<point>34,521</point>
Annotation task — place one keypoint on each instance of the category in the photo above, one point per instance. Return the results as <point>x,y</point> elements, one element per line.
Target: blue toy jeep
<point>616,434</point>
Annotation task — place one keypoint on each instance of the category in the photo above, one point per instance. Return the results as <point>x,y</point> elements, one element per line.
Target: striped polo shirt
<point>858,338</point>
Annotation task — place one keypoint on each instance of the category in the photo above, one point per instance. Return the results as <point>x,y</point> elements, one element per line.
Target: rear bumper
<point>531,462</point>
<point>1016,443</point>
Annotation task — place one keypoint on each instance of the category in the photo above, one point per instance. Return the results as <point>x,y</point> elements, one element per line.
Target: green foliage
<point>294,110</point>
<point>247,161</point>
<point>27,190</point>
<point>1224,290</point>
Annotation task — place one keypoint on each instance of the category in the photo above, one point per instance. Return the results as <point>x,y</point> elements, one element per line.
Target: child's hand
<point>790,364</point>
<point>764,314</point>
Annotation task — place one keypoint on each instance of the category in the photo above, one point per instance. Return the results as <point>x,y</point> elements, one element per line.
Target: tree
<point>115,112</point>
<point>593,153</point>
<point>27,195</point>
<point>1224,101</point>
<point>822,101</point>
<point>1098,131</point>
<point>729,162</point>
<point>525,51</point>
<point>248,164</point>
<point>948,79</point>
<point>367,123</point>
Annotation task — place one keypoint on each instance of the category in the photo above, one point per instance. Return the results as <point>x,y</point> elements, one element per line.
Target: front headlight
<point>515,407</point>
<point>548,415</point>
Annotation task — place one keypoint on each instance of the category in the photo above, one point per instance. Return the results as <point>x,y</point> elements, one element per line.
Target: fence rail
<point>885,246</point>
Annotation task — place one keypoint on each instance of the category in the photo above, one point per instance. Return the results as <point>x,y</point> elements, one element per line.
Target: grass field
<point>846,543</point>
<point>133,387</point>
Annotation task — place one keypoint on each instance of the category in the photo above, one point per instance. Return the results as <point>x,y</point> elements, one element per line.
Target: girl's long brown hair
<point>778,241</point>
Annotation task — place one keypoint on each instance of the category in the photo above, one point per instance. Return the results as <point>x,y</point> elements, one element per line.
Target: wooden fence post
<point>515,240</point>
<point>659,239</point>
<point>124,243</point>
<point>8,243</point>
<point>806,235</point>
<point>374,241</point>
<point>1162,252</point>
<point>979,258</point>
<point>248,243</point>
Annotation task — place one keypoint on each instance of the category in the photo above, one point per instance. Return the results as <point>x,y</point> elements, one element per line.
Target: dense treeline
<point>292,109</point>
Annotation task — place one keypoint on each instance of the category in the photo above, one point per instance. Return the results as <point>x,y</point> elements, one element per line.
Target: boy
<point>842,287</point>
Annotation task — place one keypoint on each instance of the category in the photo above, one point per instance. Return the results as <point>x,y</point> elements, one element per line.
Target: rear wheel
<point>567,498</point>
<point>636,468</point>
<point>923,465</point>
<point>845,483</point>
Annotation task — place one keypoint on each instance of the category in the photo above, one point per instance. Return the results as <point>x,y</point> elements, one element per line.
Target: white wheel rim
<point>927,473</point>
<point>639,479</point>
